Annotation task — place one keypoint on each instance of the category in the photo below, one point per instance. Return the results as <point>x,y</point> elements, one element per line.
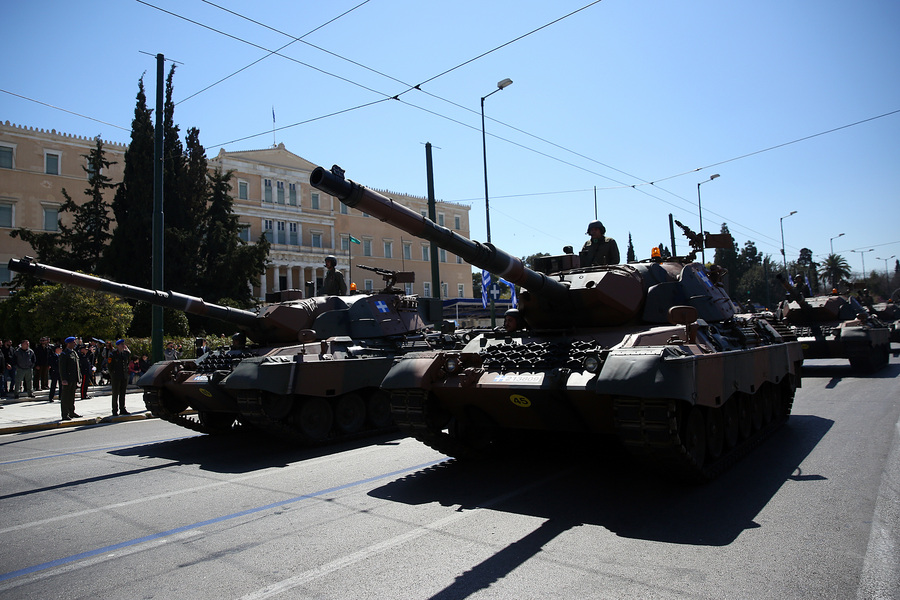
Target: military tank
<point>835,326</point>
<point>651,353</point>
<point>310,371</point>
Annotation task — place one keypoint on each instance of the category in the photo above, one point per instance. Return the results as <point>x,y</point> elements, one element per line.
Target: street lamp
<point>863,254</point>
<point>885,265</point>
<point>700,209</point>
<point>781,223</point>
<point>487,207</point>
<point>831,241</point>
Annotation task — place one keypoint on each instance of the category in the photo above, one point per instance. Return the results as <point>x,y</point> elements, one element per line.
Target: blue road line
<point>149,538</point>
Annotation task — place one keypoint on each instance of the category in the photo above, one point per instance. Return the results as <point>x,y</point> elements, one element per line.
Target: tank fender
<point>415,370</point>
<point>269,373</point>
<point>643,372</point>
<point>158,374</point>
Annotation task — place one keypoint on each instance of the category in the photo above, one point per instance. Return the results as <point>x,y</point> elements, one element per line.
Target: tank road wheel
<point>378,410</point>
<point>745,417</point>
<point>349,413</point>
<point>217,423</point>
<point>715,432</point>
<point>694,436</point>
<point>731,422</point>
<point>313,418</point>
<point>757,410</point>
<point>769,400</point>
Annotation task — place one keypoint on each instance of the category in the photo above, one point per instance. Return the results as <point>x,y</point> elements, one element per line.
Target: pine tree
<point>78,247</point>
<point>128,256</point>
<point>629,255</point>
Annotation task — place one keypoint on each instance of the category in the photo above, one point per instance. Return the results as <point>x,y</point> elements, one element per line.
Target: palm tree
<point>834,269</point>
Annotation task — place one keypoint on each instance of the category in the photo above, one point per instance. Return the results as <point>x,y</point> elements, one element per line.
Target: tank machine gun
<point>391,278</point>
<point>311,374</point>
<point>651,352</point>
<point>834,326</point>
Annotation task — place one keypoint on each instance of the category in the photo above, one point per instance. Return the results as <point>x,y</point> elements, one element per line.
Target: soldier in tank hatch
<point>333,284</point>
<point>599,250</point>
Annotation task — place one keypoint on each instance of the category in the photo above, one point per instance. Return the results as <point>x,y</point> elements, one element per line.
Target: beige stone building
<point>272,197</point>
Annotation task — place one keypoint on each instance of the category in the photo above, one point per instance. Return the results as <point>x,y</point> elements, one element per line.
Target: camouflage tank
<point>651,353</point>
<point>312,373</point>
<point>835,326</point>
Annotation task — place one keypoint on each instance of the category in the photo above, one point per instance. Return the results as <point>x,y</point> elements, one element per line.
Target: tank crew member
<point>512,320</point>
<point>69,377</point>
<point>334,284</point>
<point>118,370</point>
<point>599,250</point>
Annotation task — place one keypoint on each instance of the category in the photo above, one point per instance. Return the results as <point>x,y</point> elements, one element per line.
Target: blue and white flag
<point>485,284</point>
<point>515,300</point>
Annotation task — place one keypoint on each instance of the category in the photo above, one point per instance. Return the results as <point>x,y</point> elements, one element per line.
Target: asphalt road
<point>145,509</point>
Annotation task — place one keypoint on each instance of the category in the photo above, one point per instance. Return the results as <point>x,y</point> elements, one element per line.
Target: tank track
<point>652,430</point>
<point>155,403</point>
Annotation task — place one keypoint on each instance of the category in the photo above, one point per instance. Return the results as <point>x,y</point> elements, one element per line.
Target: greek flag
<point>485,284</point>
<point>512,288</point>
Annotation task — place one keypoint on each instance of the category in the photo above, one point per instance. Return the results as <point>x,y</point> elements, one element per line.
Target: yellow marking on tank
<point>206,392</point>
<point>520,400</point>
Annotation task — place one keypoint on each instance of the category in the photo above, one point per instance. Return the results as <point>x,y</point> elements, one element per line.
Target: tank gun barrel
<point>484,256</point>
<point>182,302</point>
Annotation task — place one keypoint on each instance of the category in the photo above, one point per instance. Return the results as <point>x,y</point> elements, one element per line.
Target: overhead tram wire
<point>63,110</point>
<point>259,60</point>
<point>418,88</point>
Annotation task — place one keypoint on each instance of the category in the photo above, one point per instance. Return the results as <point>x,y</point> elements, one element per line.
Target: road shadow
<point>836,371</point>
<point>601,485</point>
<point>244,453</point>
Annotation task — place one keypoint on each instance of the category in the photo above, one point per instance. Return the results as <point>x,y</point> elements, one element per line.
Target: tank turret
<point>320,317</point>
<point>574,296</point>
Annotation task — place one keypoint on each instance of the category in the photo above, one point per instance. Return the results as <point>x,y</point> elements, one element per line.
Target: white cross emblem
<point>382,306</point>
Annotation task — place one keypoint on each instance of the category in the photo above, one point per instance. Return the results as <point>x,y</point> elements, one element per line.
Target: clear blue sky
<point>620,94</point>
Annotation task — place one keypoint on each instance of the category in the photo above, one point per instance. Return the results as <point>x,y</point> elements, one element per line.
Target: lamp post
<point>487,207</point>
<point>781,224</point>
<point>863,254</point>
<point>831,241</point>
<point>885,265</point>
<point>700,210</point>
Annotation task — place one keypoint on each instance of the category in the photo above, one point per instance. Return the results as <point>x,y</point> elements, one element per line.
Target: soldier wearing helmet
<point>333,284</point>
<point>599,250</point>
<point>512,320</point>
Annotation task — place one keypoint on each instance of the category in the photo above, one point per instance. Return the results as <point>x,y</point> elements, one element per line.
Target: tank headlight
<point>592,364</point>
<point>452,364</point>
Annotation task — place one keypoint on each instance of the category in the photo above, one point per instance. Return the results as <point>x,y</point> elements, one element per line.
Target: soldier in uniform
<point>118,376</point>
<point>334,284</point>
<point>599,250</point>
<point>69,377</point>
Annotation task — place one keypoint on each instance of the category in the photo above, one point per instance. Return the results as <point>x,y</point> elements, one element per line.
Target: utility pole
<point>156,315</point>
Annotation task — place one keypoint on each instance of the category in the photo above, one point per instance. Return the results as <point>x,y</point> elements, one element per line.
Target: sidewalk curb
<point>138,416</point>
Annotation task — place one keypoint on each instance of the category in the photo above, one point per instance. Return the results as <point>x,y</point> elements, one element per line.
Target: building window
<point>293,239</point>
<point>456,222</point>
<point>408,289</point>
<point>368,285</point>
<point>426,289</point>
<point>445,290</point>
<point>243,190</point>
<point>314,201</point>
<point>4,275</point>
<point>345,210</point>
<point>282,236</point>
<point>441,219</point>
<point>407,251</point>
<point>267,230</point>
<point>244,233</point>
<point>426,253</point>
<point>460,290</point>
<point>443,255</point>
<point>51,163</point>
<point>459,260</point>
<point>6,215</point>
<point>279,188</point>
<point>51,219</point>
<point>6,157</point>
<point>267,190</point>
<point>424,213</point>
<point>292,194</point>
<point>388,249</point>
<point>367,247</point>
<point>316,239</point>
<point>345,242</point>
